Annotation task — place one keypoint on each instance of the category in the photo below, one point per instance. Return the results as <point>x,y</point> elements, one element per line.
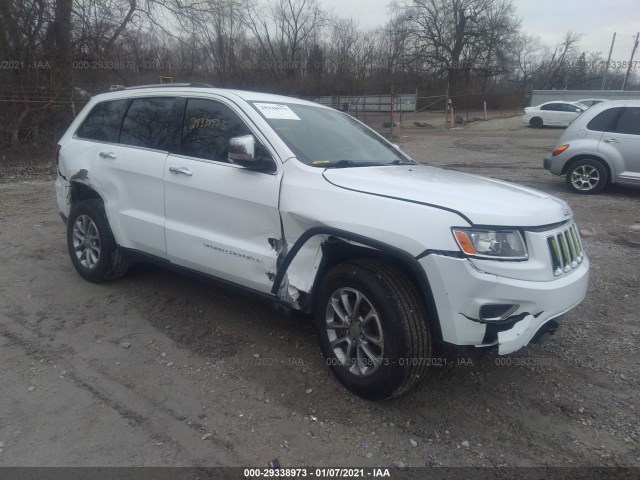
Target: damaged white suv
<point>309,207</point>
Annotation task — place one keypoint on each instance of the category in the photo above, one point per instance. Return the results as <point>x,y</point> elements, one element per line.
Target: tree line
<point>52,51</point>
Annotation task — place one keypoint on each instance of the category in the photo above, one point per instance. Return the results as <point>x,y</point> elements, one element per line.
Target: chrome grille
<point>566,250</point>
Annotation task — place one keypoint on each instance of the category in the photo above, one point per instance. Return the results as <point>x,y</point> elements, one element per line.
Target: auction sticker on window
<point>276,111</point>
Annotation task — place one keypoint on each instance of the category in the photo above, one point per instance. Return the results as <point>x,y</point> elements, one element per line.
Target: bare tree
<point>556,63</point>
<point>450,35</point>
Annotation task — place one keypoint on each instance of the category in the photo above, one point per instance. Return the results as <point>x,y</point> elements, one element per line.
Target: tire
<point>586,176</point>
<point>536,122</point>
<point>394,330</point>
<point>92,248</point>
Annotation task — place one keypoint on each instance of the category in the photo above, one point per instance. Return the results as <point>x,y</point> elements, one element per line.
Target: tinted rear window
<point>150,123</point>
<point>103,122</point>
<point>629,121</point>
<point>603,122</point>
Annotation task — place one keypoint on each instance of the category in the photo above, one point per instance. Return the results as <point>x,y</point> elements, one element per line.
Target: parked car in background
<point>602,146</point>
<point>590,102</point>
<point>556,114</point>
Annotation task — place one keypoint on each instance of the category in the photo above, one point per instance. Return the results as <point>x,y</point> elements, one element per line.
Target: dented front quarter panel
<point>307,200</point>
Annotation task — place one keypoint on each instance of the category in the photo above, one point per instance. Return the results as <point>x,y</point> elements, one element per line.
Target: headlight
<point>495,244</point>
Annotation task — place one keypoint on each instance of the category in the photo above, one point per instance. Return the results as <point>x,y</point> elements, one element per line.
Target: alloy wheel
<point>354,331</point>
<point>585,177</point>
<point>86,241</point>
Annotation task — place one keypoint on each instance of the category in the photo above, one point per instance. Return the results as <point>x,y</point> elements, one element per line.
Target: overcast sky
<point>596,20</point>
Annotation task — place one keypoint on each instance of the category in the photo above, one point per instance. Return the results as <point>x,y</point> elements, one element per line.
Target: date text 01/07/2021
<point>328,472</point>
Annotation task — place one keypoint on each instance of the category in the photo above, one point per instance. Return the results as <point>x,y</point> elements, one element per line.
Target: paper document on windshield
<point>276,111</point>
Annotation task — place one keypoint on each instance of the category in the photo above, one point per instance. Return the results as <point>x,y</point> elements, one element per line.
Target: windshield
<point>321,137</point>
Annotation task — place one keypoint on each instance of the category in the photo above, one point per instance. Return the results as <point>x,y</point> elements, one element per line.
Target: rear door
<point>551,114</point>
<point>623,144</point>
<point>221,219</point>
<point>131,173</point>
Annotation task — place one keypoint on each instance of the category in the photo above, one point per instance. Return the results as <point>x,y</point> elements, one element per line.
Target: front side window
<point>323,137</point>
<point>604,121</point>
<point>103,122</point>
<point>208,126</point>
<point>150,123</point>
<point>629,121</point>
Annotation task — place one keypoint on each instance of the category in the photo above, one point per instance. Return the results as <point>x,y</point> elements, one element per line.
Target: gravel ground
<point>163,369</point>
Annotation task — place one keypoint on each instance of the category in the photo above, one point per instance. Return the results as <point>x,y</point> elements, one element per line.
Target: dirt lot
<point>163,369</point>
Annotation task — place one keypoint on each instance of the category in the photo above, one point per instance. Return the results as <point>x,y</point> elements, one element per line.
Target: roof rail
<point>167,85</point>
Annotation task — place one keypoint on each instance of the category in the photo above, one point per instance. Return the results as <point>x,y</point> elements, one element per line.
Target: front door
<point>221,219</point>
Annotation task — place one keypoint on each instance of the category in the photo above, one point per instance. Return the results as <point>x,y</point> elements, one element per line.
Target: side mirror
<point>242,149</point>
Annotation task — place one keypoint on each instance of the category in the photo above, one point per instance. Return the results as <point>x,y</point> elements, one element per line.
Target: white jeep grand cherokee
<point>308,207</point>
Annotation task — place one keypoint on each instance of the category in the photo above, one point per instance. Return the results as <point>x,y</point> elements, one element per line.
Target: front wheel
<point>92,248</point>
<point>587,176</point>
<point>373,329</point>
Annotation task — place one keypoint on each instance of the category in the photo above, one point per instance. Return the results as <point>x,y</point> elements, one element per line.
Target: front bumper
<point>460,290</point>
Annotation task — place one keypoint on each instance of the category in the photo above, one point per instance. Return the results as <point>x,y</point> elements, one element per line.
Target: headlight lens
<point>495,244</point>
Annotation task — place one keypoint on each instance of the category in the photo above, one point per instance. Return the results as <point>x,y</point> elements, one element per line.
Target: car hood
<point>484,201</point>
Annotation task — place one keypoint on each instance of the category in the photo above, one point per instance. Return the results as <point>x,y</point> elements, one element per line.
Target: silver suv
<point>601,146</point>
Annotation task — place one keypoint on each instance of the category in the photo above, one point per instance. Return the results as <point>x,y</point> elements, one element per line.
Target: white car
<point>309,208</point>
<point>556,114</point>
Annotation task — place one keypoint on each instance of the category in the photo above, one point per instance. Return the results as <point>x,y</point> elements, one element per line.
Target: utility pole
<point>606,65</point>
<point>633,52</point>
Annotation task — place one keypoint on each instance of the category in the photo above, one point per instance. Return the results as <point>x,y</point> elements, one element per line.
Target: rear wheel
<point>92,248</point>
<point>587,176</point>
<point>536,122</point>
<point>373,329</point>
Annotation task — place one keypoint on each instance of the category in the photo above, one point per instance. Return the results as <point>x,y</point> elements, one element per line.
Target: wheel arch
<point>340,246</point>
<point>80,191</point>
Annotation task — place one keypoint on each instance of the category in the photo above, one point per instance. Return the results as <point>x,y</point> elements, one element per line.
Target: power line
<point>633,52</point>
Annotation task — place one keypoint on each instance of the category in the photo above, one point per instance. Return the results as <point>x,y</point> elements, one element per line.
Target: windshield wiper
<point>400,162</point>
<point>340,164</point>
<point>349,164</point>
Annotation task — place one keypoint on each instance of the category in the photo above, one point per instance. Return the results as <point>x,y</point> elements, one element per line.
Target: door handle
<point>611,140</point>
<point>181,171</point>
<point>110,155</point>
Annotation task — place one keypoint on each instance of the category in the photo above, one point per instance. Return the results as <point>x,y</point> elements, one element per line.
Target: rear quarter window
<point>629,121</point>
<point>103,122</point>
<point>604,121</point>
